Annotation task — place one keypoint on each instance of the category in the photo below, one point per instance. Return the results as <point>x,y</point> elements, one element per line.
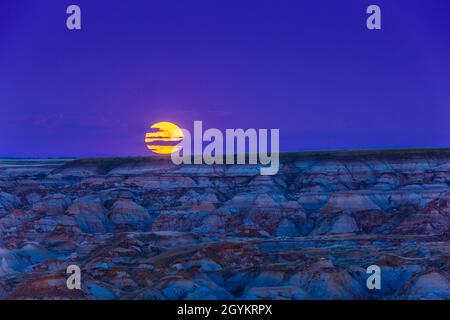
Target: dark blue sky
<point>310,68</point>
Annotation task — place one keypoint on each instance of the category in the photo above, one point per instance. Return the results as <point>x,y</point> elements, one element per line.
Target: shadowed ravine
<point>143,228</point>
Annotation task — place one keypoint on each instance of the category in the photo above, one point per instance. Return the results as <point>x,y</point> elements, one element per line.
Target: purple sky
<point>310,68</point>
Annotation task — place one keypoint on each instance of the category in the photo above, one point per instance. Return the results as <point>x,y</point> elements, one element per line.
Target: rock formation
<point>144,228</point>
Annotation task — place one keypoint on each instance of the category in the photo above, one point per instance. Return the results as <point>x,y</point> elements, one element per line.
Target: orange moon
<point>165,132</point>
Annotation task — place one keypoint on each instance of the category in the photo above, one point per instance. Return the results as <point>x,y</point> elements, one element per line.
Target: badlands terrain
<point>143,228</point>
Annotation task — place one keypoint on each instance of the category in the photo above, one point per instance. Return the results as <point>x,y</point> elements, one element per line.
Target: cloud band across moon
<point>164,138</point>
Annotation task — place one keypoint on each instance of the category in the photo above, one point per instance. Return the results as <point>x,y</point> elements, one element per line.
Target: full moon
<point>164,137</point>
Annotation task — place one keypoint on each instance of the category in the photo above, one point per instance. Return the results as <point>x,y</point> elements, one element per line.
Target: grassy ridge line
<point>104,165</point>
